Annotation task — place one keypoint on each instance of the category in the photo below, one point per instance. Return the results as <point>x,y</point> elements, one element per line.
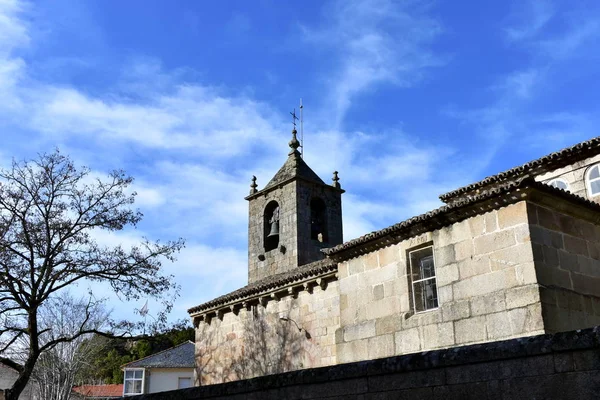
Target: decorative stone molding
<point>547,163</point>
<point>263,298</point>
<point>299,278</point>
<point>501,196</point>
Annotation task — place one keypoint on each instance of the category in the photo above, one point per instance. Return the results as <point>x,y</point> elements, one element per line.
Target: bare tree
<point>59,368</point>
<point>49,212</point>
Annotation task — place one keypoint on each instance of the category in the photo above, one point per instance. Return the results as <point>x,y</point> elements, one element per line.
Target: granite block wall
<point>311,249</point>
<point>298,248</point>
<point>559,366</point>
<point>287,333</point>
<point>574,176</point>
<point>567,257</point>
<point>276,260</point>
<point>486,285</point>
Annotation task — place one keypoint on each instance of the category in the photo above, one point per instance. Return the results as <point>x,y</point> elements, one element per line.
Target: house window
<point>559,184</point>
<point>422,279</point>
<point>593,180</point>
<point>184,383</point>
<point>134,381</point>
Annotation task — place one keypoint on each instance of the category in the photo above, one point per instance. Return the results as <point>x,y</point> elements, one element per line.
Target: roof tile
<point>547,163</point>
<point>181,356</point>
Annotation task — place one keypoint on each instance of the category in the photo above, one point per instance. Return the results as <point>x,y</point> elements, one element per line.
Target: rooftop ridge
<point>441,216</point>
<point>187,342</point>
<point>546,163</point>
<point>271,282</point>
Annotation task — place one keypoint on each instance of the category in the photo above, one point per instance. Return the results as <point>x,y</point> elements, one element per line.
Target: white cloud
<point>192,118</point>
<point>194,147</point>
<point>553,33</point>
<point>566,44</point>
<point>148,197</point>
<point>521,83</point>
<point>13,30</point>
<point>377,42</point>
<point>533,16</point>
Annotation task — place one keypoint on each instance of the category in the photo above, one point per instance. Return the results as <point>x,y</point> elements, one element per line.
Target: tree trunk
<point>34,352</point>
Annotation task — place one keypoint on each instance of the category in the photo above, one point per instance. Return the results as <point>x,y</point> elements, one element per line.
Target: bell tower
<point>292,218</point>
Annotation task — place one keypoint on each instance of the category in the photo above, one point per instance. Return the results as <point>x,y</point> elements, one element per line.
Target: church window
<point>271,223</point>
<point>559,184</point>
<point>318,220</point>
<point>134,379</point>
<point>422,279</point>
<point>593,180</point>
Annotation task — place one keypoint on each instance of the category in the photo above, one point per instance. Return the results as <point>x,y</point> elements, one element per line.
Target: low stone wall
<point>559,366</point>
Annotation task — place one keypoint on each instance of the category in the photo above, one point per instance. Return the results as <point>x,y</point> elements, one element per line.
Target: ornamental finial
<point>294,143</point>
<point>253,185</point>
<point>336,180</point>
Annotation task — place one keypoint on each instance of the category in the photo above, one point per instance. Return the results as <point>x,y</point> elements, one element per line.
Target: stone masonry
<point>513,257</point>
<point>551,367</point>
<point>293,188</point>
<point>295,332</point>
<point>486,285</point>
<point>574,175</point>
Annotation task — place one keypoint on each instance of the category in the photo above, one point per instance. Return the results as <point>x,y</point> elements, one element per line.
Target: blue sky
<point>407,99</point>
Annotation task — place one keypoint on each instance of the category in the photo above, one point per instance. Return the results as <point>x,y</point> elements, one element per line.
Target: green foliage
<point>122,351</point>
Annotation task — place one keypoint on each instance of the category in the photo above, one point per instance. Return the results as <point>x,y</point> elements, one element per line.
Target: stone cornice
<point>290,283</point>
<point>508,193</point>
<point>285,182</point>
<point>547,163</point>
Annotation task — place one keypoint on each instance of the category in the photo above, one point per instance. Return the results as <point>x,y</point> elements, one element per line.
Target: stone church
<point>516,254</point>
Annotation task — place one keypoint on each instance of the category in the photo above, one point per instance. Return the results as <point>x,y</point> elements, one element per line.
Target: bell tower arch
<point>292,218</point>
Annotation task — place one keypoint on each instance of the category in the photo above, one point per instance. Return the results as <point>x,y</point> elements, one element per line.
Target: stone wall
<point>567,257</point>
<point>486,285</point>
<point>574,176</point>
<point>560,366</point>
<point>274,261</point>
<point>290,333</point>
<point>298,249</point>
<point>311,249</point>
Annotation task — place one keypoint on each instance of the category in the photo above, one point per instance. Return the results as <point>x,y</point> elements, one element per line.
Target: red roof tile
<point>100,390</point>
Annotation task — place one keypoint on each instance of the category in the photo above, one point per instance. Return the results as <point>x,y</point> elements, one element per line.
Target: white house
<point>167,370</point>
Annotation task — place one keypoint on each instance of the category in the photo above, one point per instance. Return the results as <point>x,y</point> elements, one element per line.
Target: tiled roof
<point>181,356</point>
<point>293,167</point>
<point>297,274</point>
<point>102,391</point>
<point>547,163</point>
<point>449,214</point>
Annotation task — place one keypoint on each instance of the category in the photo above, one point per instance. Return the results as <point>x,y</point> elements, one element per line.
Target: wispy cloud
<point>193,144</point>
<point>568,43</point>
<point>13,30</point>
<point>552,31</point>
<point>521,84</point>
<point>531,18</point>
<point>375,42</point>
<point>552,37</point>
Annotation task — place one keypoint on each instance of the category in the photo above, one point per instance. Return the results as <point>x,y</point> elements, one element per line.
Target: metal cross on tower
<point>294,118</point>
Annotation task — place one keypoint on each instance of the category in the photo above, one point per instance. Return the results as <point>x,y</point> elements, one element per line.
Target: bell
<point>274,229</point>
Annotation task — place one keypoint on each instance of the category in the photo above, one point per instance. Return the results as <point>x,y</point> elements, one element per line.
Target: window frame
<point>413,282</point>
<point>550,182</point>
<point>588,181</point>
<point>184,378</point>
<point>125,379</point>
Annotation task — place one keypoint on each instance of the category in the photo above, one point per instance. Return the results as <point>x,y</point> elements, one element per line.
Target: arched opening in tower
<point>318,220</point>
<point>271,226</point>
